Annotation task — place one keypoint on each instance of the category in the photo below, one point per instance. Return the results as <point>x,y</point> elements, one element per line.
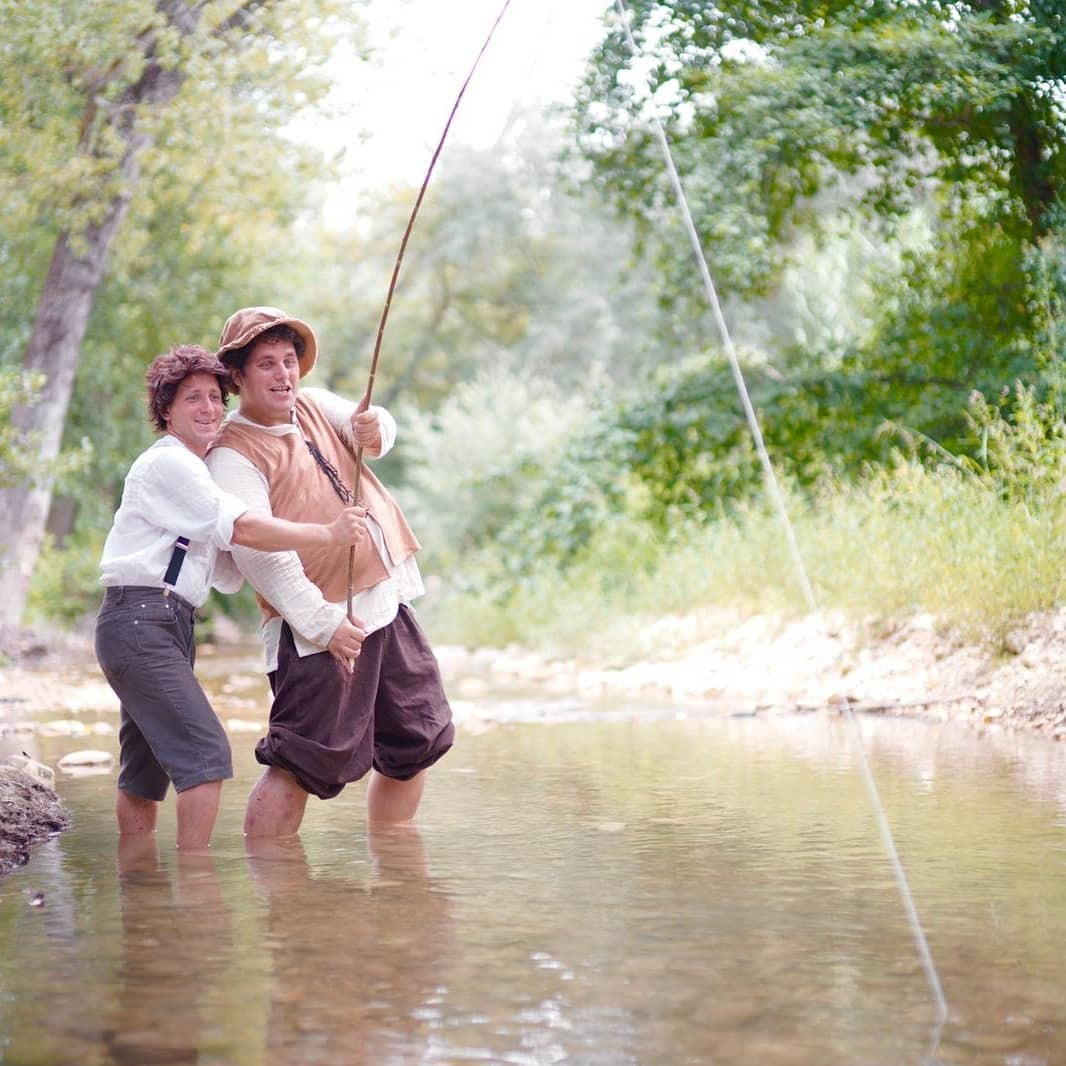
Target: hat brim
<point>307,360</point>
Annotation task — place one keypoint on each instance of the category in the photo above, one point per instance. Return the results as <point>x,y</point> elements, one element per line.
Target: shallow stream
<point>586,883</point>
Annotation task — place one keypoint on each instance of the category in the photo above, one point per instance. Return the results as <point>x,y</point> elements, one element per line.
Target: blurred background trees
<point>878,188</point>
<point>143,151</point>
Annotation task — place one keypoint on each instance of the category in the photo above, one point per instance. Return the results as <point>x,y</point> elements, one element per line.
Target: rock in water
<point>80,760</point>
<point>30,812</point>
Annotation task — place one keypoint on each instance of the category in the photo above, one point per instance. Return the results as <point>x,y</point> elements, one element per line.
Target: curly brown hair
<point>237,357</point>
<point>170,369</point>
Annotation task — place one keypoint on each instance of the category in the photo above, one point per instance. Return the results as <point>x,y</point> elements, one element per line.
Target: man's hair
<point>169,370</point>
<point>237,357</point>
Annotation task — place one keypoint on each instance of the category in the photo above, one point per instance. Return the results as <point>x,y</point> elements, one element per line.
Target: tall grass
<point>942,541</point>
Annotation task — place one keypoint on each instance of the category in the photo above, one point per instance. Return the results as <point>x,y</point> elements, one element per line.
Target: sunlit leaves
<point>897,94</point>
<point>216,185</point>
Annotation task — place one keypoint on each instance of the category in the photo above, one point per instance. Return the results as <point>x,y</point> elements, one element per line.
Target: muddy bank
<point>30,813</point>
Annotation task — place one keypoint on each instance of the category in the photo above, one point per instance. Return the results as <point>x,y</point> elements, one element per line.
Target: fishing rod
<point>364,403</point>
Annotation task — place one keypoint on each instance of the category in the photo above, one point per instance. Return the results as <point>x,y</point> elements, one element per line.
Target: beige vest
<point>301,492</point>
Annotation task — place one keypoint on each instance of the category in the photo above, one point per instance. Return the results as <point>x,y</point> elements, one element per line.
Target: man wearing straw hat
<point>352,695</point>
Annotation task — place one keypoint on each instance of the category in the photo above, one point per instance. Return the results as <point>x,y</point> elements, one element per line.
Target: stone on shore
<point>30,812</point>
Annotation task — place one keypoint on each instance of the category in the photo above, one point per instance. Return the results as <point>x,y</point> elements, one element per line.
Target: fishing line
<point>773,487</point>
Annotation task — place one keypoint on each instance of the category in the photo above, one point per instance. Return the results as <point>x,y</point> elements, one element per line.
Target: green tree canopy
<point>789,115</point>
<point>508,267</point>
<point>144,157</point>
<point>769,103</point>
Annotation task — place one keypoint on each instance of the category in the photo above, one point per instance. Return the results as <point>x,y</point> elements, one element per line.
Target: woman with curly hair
<point>166,549</point>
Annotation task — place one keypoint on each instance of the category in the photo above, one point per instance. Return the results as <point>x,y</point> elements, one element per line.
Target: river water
<point>585,884</point>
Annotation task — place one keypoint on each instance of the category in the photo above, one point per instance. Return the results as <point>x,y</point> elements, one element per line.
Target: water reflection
<point>176,939</point>
<point>373,948</point>
<point>630,888</point>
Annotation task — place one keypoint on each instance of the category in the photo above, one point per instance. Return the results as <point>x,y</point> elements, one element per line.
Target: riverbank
<point>768,664</point>
<point>710,661</point>
<point>30,813</point>
<point>717,660</point>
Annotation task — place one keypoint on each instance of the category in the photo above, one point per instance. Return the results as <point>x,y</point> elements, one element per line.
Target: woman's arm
<point>277,576</point>
<point>268,534</point>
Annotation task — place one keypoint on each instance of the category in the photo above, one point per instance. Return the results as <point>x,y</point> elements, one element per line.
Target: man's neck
<point>266,422</point>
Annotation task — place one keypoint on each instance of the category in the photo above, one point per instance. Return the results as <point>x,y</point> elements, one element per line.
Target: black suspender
<point>177,557</point>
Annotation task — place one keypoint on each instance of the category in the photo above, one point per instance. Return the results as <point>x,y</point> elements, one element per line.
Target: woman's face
<point>195,416</point>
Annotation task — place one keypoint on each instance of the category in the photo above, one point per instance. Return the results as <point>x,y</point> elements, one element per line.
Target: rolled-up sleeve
<point>226,577</point>
<point>277,576</point>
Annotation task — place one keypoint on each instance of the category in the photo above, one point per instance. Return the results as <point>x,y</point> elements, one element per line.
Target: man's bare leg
<point>135,814</point>
<point>197,880</point>
<point>278,865</point>
<point>197,811</point>
<point>391,801</point>
<point>276,805</point>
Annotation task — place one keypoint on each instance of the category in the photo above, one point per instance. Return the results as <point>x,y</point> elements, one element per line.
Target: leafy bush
<point>486,455</point>
<point>911,539</point>
<point>66,581</point>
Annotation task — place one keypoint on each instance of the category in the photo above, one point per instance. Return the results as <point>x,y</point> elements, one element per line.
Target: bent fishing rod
<point>364,403</point>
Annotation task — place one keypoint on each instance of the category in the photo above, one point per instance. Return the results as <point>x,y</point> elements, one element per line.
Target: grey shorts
<point>169,732</point>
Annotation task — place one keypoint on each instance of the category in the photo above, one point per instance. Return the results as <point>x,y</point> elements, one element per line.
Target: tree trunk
<point>1031,167</point>
<point>74,275</point>
<point>54,347</point>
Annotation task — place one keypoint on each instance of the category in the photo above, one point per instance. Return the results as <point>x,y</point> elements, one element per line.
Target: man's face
<point>269,382</point>
<point>196,413</point>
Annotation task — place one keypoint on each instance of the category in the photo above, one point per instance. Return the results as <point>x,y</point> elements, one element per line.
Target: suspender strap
<point>177,557</point>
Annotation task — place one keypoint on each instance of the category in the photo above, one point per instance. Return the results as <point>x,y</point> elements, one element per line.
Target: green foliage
<point>18,459</point>
<point>681,449</point>
<point>66,582</point>
<point>1022,452</point>
<point>483,457</point>
<point>16,388</point>
<point>878,186</point>
<point>772,101</point>
<point>507,267</point>
<point>214,200</point>
<point>951,323</point>
<point>796,115</point>
<point>899,542</point>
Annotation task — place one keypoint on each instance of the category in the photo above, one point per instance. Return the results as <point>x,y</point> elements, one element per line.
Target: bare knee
<point>390,801</point>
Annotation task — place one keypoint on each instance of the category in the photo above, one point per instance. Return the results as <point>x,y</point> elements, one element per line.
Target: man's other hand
<point>346,643</point>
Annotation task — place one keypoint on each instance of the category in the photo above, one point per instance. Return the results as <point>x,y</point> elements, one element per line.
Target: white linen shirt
<point>279,576</point>
<point>168,494</point>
